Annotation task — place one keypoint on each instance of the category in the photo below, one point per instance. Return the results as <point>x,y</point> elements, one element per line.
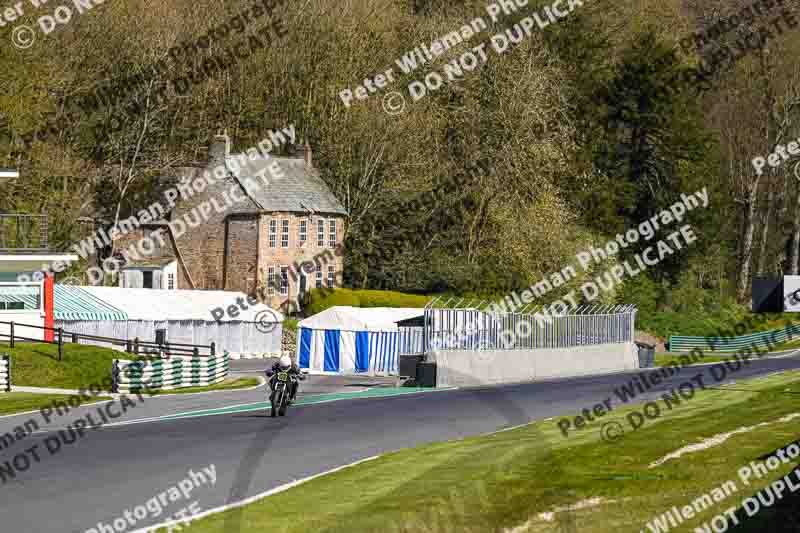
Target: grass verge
<point>21,402</point>
<point>37,365</point>
<point>228,384</point>
<point>524,478</point>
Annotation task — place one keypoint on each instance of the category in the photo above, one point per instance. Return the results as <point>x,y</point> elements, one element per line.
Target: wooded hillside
<point>579,132</point>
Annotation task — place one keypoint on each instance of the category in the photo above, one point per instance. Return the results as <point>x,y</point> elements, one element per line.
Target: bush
<point>318,300</point>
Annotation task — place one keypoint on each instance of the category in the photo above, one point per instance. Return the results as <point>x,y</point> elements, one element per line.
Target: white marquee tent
<point>184,314</point>
<point>357,340</point>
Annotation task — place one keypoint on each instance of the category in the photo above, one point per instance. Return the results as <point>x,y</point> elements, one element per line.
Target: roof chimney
<point>307,153</point>
<point>220,147</point>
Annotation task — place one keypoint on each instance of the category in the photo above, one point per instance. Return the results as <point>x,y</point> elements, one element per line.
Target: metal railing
<point>471,325</point>
<point>133,346</point>
<point>23,232</point>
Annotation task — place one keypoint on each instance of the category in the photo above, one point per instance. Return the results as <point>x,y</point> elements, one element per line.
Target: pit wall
<point>493,367</point>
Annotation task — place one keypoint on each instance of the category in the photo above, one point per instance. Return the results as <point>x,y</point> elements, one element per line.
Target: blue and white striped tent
<point>355,340</point>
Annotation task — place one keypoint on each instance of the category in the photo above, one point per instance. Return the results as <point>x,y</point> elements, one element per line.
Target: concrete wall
<point>468,369</point>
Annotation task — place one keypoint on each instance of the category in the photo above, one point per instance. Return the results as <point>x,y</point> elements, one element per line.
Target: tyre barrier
<point>175,372</point>
<point>765,339</point>
<point>5,373</point>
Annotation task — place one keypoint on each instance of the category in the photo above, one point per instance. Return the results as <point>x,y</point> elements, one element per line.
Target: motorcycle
<point>281,391</point>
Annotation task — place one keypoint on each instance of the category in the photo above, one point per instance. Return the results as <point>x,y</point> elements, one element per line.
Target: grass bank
<point>228,384</point>
<point>37,365</point>
<point>21,402</point>
<point>534,479</point>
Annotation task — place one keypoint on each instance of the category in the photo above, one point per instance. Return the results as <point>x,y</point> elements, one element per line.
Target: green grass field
<point>37,365</point>
<point>513,479</point>
<point>21,402</point>
<point>228,384</point>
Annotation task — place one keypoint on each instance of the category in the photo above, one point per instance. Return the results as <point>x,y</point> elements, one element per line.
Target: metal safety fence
<point>473,326</point>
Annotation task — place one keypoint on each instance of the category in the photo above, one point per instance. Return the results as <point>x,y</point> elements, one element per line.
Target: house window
<point>303,233</point>
<point>273,233</point>
<point>332,234</point>
<point>319,277</point>
<point>284,233</point>
<point>171,281</point>
<point>321,233</point>
<point>284,280</point>
<point>330,276</point>
<point>147,279</point>
<point>271,281</point>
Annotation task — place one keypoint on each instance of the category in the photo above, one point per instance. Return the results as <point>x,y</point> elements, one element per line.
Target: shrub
<point>318,300</point>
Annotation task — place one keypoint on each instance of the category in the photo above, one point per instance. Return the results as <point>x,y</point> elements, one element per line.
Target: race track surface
<point>119,467</point>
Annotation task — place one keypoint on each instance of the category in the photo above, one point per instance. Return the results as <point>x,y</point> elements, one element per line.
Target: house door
<point>302,289</point>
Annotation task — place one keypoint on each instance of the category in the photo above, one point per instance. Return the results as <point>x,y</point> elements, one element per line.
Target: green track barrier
<point>761,340</point>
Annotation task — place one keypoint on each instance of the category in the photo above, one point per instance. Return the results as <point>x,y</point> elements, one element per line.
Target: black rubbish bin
<point>426,374</point>
<point>407,365</point>
<point>647,355</point>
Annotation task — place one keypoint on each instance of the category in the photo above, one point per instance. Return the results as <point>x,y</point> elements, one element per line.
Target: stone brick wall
<point>202,247</point>
<point>242,254</point>
<point>289,341</point>
<point>307,257</point>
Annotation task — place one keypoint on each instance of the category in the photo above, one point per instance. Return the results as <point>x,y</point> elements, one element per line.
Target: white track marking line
<point>252,499</point>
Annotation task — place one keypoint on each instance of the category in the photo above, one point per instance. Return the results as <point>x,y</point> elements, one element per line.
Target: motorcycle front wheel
<point>283,403</point>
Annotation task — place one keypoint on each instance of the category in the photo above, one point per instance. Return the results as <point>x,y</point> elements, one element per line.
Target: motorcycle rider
<point>285,364</point>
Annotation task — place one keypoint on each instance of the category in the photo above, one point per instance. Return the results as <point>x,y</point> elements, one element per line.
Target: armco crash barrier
<point>764,339</point>
<point>5,373</point>
<point>166,374</point>
<point>491,367</point>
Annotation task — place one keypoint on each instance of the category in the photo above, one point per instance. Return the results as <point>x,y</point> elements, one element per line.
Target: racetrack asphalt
<point>113,469</point>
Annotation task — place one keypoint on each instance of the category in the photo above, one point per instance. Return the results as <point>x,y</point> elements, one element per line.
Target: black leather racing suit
<point>293,384</point>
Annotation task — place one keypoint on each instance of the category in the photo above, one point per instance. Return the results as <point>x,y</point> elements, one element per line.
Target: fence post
<point>136,346</point>
<point>74,338</point>
<point>60,343</point>
<point>195,352</point>
<point>128,346</point>
<point>12,334</point>
<point>213,349</point>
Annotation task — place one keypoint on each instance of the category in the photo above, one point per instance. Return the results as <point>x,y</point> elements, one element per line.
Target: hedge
<point>318,300</point>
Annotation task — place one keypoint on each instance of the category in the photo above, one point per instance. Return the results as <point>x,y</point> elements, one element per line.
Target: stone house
<point>276,240</point>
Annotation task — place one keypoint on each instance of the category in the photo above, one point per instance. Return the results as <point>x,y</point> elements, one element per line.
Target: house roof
<point>150,262</point>
<point>299,189</point>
